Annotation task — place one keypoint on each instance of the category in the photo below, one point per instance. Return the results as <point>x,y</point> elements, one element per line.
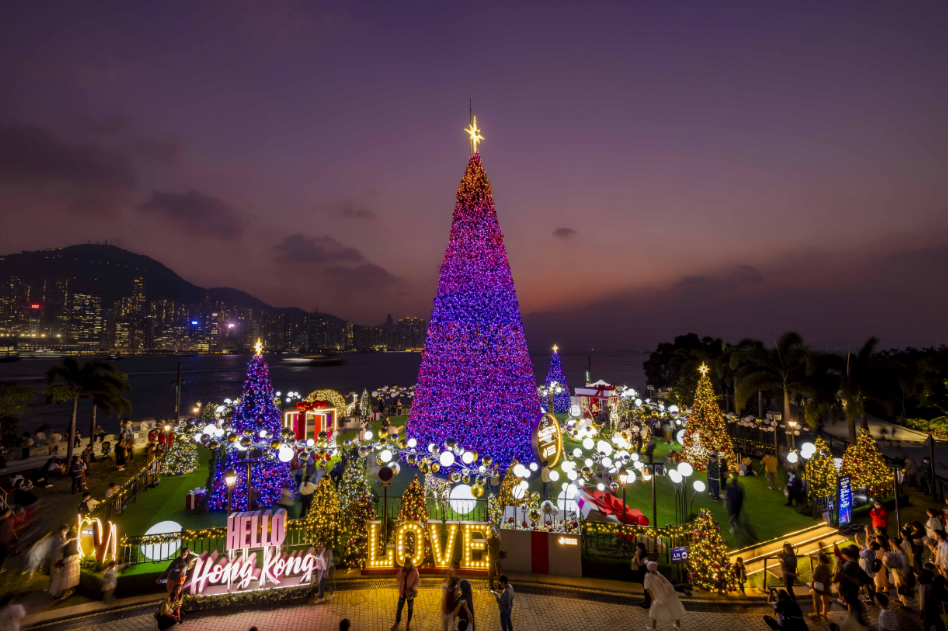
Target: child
<point>666,606</point>
<point>888,621</point>
<point>740,573</point>
<point>109,581</point>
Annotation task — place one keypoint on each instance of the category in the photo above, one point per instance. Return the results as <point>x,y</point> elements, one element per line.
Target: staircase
<point>804,542</point>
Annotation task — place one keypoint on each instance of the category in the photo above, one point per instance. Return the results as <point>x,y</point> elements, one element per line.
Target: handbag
<point>818,586</point>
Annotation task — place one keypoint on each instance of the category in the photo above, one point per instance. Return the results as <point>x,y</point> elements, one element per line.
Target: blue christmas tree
<point>561,400</point>
<point>256,411</point>
<point>476,382</point>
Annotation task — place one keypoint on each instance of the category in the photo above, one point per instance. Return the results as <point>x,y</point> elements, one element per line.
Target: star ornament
<point>704,369</point>
<point>475,134</point>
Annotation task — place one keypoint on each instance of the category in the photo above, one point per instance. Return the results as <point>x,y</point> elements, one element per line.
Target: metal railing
<point>116,503</point>
<point>450,510</point>
<point>618,541</point>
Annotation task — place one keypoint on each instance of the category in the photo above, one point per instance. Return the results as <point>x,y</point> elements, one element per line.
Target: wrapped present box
<point>192,501</point>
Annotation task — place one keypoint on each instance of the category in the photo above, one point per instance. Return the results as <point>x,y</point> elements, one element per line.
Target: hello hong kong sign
<point>248,535</point>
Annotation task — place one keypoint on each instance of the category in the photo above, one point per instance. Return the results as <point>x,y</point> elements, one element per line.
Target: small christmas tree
<point>561,400</point>
<point>507,486</point>
<point>324,520</point>
<point>414,508</point>
<point>866,467</point>
<point>182,457</point>
<point>706,432</point>
<point>708,565</point>
<point>365,405</point>
<point>358,508</point>
<point>821,474</point>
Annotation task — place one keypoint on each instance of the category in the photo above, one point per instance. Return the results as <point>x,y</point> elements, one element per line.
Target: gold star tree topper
<point>555,348</point>
<point>475,135</point>
<point>258,348</point>
<point>704,369</point>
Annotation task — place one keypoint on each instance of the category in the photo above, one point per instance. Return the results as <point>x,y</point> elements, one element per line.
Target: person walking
<point>925,475</point>
<point>11,614</point>
<point>822,595</point>
<point>326,568</point>
<point>735,503</point>
<point>451,603</point>
<point>66,576</point>
<point>407,581</point>
<point>714,478</point>
<point>788,566</point>
<point>75,471</point>
<point>306,490</point>
<point>546,479</point>
<point>54,437</point>
<point>794,489</point>
<point>769,467</point>
<point>467,597</point>
<point>666,606</point>
<point>505,601</point>
<point>639,567</point>
<point>494,554</point>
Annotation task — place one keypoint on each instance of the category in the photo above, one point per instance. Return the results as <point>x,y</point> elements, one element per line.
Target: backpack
<point>877,564</point>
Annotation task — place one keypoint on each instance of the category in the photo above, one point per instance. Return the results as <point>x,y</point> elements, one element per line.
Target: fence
<point>618,541</point>
<point>116,503</point>
<point>449,510</point>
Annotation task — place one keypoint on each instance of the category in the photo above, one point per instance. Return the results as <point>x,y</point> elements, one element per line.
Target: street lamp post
<point>623,479</point>
<point>230,477</point>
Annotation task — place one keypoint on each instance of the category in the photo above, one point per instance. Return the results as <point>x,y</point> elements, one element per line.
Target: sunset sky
<point>733,169</point>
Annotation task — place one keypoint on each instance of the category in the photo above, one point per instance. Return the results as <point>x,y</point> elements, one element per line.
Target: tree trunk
<point>760,404</point>
<point>851,422</point>
<point>727,399</point>
<point>786,406</point>
<point>92,425</point>
<point>72,432</point>
<point>865,420</point>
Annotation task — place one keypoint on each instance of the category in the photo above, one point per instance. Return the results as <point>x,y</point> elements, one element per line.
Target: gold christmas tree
<point>708,564</point>
<point>821,474</point>
<point>324,520</point>
<point>706,432</point>
<point>414,508</point>
<point>864,464</point>
<point>358,508</point>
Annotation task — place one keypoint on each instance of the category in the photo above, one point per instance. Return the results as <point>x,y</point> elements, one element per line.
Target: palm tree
<point>782,368</point>
<point>96,379</point>
<point>864,377</point>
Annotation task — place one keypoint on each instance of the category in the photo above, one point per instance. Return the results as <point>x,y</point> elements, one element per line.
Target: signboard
<point>844,501</point>
<point>472,536</point>
<point>238,570</point>
<point>679,555</point>
<point>548,440</point>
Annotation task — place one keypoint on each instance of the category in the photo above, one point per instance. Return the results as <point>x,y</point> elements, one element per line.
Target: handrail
<point>114,504</point>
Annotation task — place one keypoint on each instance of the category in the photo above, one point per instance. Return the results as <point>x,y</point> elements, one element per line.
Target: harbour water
<point>218,377</point>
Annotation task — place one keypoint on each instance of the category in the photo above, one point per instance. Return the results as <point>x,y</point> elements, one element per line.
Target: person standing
<point>505,600</point>
<point>467,597</point>
<point>67,575</point>
<point>407,581</point>
<point>639,567</point>
<point>451,603</point>
<point>494,553</point>
<point>879,516</point>
<point>925,474</point>
<point>794,489</point>
<point>75,471</point>
<point>788,566</point>
<point>822,596</point>
<point>326,568</point>
<point>129,441</point>
<point>714,478</point>
<point>545,478</point>
<point>54,438</point>
<point>306,490</point>
<point>770,463</point>
<point>666,606</point>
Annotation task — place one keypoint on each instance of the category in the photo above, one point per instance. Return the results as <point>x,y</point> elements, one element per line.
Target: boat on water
<point>312,360</point>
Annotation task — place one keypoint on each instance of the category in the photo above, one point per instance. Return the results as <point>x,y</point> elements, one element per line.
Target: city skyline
<point>651,176</point>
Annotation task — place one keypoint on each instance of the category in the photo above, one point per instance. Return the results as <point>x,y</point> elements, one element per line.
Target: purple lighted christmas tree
<point>561,400</point>
<point>476,382</point>
<point>255,412</point>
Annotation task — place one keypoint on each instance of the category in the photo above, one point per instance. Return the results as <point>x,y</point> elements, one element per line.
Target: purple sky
<point>735,171</point>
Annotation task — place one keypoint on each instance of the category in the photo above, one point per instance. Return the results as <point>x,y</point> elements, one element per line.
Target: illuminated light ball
<point>213,445</point>
<point>534,515</point>
<point>601,486</point>
<point>792,457</point>
<point>533,466</point>
<point>519,490</point>
<point>589,462</point>
<point>411,459</point>
<point>487,460</point>
<point>604,447</point>
<point>368,434</point>
<point>675,476</point>
<point>363,451</point>
<point>303,456</point>
<point>210,429</point>
<point>245,441</point>
<point>571,475</point>
<point>554,476</point>
<point>631,479</point>
<point>403,444</point>
<point>614,487</point>
<point>347,443</point>
<point>435,467</point>
<point>286,454</point>
<point>699,486</point>
<point>412,443</point>
<point>520,471</point>
<point>469,457</point>
<point>310,442</point>
<point>588,443</point>
<point>680,437</point>
<point>162,551</point>
<point>396,468</point>
<point>638,403</point>
<point>385,455</point>
<point>446,459</point>
<point>232,437</point>
<point>635,457</point>
<point>807,450</point>
<point>577,453</point>
<point>685,469</point>
<point>462,499</point>
<point>432,448</point>
<point>276,443</point>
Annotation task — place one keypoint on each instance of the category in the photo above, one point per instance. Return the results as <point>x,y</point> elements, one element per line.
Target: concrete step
<point>805,542</point>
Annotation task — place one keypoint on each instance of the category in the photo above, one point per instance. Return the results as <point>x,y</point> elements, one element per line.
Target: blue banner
<point>844,501</point>
<point>680,555</point>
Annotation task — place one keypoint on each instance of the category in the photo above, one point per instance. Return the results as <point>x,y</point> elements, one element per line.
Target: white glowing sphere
<point>520,471</point>
<point>681,437</point>
<point>638,402</point>
<point>210,429</point>
<point>385,455</point>
<point>604,447</point>
<point>571,474</point>
<point>446,459</point>
<point>607,462</point>
<point>588,443</point>
<point>533,466</point>
<point>673,408</point>
<point>635,457</point>
<point>601,486</point>
<point>263,433</point>
<point>567,465</point>
<point>577,452</point>
<point>675,476</point>
<point>588,462</point>
<point>468,457</point>
<point>699,486</point>
<point>685,469</point>
<point>462,500</point>
<point>554,476</point>
<point>285,454</point>
<point>807,450</point>
<point>158,551</point>
<point>368,434</point>
<point>310,442</point>
<point>631,477</point>
<point>412,443</point>
<point>622,455</point>
<point>792,457</point>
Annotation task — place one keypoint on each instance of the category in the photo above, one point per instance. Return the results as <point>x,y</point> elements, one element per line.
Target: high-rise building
<point>411,334</point>
<point>86,323</point>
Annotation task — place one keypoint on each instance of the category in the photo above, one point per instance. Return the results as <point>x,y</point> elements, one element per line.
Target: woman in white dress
<point>65,575</point>
<point>666,607</point>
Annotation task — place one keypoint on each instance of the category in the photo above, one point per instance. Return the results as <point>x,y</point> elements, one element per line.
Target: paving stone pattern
<point>374,609</point>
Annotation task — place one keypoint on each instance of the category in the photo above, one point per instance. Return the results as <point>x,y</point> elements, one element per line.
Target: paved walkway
<point>371,606</point>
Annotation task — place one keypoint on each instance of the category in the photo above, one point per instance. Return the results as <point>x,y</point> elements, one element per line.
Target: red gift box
<point>192,501</point>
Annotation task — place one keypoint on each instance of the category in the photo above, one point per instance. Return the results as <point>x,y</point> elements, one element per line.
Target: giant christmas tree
<point>706,432</point>
<point>561,400</point>
<point>476,382</point>
<point>255,412</point>
<point>865,465</point>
